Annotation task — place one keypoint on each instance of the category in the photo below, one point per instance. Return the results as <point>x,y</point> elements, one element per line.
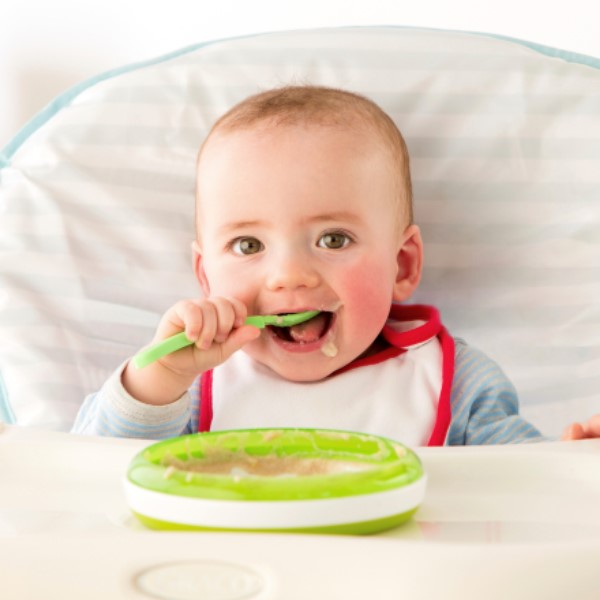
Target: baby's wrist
<point>154,384</point>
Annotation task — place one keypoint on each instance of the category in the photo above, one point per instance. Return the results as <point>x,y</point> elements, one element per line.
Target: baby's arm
<point>112,412</point>
<point>153,402</point>
<point>217,325</point>
<point>485,406</point>
<point>582,431</point>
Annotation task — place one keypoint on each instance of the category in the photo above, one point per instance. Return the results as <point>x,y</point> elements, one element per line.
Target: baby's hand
<point>582,431</point>
<point>217,327</point>
<point>215,324</point>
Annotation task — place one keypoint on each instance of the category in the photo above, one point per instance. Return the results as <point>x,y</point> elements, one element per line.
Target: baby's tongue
<point>309,331</point>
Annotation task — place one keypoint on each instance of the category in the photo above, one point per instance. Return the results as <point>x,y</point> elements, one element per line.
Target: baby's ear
<point>199,267</point>
<point>410,264</point>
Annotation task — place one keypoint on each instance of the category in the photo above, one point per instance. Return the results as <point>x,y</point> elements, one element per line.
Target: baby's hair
<point>317,105</point>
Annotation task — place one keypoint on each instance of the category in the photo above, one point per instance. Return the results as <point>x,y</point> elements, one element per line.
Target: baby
<point>303,203</point>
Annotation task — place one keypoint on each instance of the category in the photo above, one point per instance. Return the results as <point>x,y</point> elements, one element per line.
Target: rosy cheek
<point>367,290</point>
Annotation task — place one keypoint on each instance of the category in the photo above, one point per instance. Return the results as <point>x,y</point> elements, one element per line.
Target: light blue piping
<point>6,413</point>
<point>572,57</point>
<point>69,95</point>
<point>66,97</point>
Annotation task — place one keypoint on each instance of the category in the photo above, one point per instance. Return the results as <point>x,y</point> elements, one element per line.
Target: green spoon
<point>180,340</point>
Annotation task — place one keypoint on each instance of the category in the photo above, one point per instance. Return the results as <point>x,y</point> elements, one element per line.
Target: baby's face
<point>298,218</point>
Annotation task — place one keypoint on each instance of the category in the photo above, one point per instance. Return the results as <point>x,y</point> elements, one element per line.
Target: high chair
<point>96,221</point>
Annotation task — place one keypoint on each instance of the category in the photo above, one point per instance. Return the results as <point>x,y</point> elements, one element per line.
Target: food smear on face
<point>329,349</point>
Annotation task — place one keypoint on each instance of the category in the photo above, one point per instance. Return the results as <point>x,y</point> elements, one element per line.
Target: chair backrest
<point>97,193</point>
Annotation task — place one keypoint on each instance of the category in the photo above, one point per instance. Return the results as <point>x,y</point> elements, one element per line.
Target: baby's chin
<point>307,368</point>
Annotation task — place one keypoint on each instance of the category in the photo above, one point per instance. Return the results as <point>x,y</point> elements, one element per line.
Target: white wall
<point>48,45</point>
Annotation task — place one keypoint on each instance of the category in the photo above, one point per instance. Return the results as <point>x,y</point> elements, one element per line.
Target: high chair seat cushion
<point>97,204</point>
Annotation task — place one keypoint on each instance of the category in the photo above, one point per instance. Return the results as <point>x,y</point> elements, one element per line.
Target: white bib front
<point>397,398</point>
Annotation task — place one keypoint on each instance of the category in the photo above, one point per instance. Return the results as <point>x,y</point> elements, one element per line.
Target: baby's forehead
<point>357,133</point>
<point>275,126</point>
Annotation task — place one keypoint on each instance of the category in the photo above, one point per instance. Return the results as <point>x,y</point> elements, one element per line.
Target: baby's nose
<point>290,272</point>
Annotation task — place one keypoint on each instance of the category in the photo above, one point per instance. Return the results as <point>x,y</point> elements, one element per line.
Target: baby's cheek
<point>368,291</point>
<point>232,284</point>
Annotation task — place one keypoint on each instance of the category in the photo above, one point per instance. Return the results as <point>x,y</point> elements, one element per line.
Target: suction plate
<point>293,480</point>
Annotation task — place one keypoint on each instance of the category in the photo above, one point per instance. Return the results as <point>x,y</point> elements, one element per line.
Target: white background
<point>46,46</point>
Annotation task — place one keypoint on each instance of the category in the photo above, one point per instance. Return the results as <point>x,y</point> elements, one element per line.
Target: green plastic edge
<point>68,96</point>
<point>357,528</point>
<point>147,471</point>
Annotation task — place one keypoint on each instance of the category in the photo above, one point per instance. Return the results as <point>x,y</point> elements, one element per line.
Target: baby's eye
<point>334,240</point>
<point>246,245</point>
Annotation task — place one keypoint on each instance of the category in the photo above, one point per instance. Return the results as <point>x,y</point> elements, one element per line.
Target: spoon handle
<point>149,355</point>
<point>180,340</point>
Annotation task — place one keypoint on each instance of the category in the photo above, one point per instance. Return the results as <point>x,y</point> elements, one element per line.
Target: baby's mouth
<point>305,333</point>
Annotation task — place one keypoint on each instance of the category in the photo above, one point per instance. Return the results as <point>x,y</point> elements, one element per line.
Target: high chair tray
<point>496,522</point>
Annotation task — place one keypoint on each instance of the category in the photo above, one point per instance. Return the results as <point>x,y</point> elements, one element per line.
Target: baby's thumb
<point>238,338</point>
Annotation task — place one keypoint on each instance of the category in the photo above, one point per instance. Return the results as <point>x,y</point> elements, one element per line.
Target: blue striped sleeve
<point>485,406</point>
<point>112,412</point>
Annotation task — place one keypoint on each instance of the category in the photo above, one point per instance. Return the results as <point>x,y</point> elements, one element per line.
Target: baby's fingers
<point>573,432</point>
<point>209,320</point>
<point>193,316</point>
<point>238,338</point>
<point>592,427</point>
<point>197,318</point>
<point>186,316</point>
<point>230,314</point>
<point>581,431</point>
<point>204,327</point>
<point>221,316</point>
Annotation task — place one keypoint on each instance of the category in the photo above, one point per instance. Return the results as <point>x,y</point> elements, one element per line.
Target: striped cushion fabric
<point>97,200</point>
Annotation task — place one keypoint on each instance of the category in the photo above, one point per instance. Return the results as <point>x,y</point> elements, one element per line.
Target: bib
<point>402,394</point>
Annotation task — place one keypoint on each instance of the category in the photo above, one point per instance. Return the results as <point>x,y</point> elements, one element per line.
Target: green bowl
<point>292,480</point>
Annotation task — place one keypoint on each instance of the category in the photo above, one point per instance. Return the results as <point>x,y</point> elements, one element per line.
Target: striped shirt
<point>484,408</point>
